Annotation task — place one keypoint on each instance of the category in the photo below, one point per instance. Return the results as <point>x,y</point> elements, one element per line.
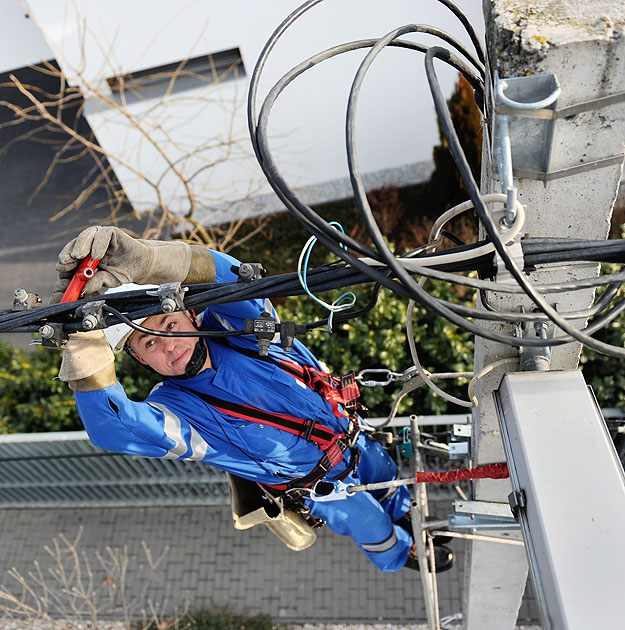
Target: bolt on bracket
<point>92,314</point>
<point>24,301</point>
<point>535,358</point>
<point>171,295</point>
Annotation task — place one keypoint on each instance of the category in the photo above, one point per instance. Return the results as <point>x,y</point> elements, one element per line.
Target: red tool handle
<point>85,270</point>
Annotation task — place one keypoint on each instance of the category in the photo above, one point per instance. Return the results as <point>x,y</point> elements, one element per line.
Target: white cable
<point>422,373</point>
<point>483,372</point>
<point>455,257</point>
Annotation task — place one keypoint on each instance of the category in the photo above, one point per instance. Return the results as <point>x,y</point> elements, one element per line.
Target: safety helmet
<point>119,334</point>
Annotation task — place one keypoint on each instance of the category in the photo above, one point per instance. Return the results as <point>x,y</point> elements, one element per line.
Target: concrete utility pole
<point>582,43</point>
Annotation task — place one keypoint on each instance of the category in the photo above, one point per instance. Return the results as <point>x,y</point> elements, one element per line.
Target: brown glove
<point>126,259</point>
<point>88,362</point>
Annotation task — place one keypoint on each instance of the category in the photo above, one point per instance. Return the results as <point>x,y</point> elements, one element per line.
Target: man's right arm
<point>116,423</point>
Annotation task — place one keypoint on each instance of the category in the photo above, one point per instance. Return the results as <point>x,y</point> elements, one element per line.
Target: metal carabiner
<point>390,376</point>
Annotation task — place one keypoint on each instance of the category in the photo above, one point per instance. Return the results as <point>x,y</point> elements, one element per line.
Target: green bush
<point>603,373</point>
<point>33,400</point>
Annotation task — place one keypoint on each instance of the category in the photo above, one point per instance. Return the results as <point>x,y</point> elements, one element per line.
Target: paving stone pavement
<point>202,562</point>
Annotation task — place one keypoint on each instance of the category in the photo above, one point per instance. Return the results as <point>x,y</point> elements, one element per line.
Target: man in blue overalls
<point>259,418</point>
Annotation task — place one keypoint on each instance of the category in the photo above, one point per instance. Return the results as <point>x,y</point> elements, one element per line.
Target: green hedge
<point>33,400</point>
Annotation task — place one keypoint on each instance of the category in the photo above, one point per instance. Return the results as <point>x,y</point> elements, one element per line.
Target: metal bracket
<point>171,296</point>
<point>92,315</point>
<point>517,501</point>
<point>481,515</point>
<point>459,450</point>
<point>520,140</point>
<point>534,358</point>
<point>53,336</point>
<point>251,271</point>
<point>462,430</point>
<point>24,301</point>
<point>530,128</point>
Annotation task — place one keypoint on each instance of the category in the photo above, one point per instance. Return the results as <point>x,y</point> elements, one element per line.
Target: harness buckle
<point>309,429</point>
<point>348,389</point>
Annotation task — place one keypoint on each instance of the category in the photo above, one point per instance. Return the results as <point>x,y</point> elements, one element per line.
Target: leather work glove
<point>126,259</point>
<point>88,362</point>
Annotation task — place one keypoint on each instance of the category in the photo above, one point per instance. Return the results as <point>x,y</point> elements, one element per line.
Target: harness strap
<point>336,391</point>
<point>332,444</point>
<point>311,430</point>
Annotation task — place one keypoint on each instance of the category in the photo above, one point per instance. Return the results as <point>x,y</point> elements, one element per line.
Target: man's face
<point>167,355</point>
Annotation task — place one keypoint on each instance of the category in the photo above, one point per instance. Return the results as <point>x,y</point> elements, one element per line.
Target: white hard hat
<point>118,335</point>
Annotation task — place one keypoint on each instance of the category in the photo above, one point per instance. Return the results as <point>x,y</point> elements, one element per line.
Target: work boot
<point>406,523</point>
<point>443,557</point>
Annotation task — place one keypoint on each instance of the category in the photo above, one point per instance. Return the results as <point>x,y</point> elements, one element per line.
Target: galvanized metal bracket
<point>24,301</point>
<point>475,516</point>
<point>526,128</point>
<point>535,358</point>
<point>171,295</point>
<point>522,142</point>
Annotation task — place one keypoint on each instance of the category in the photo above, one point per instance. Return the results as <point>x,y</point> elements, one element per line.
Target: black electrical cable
<point>165,333</point>
<point>310,219</point>
<point>452,237</point>
<point>302,212</point>
<point>587,254</point>
<point>281,187</point>
<point>472,188</point>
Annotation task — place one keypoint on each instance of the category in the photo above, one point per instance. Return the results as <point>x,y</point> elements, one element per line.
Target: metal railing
<point>65,470</point>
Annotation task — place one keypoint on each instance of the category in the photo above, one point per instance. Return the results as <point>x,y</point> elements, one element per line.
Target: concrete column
<point>581,42</point>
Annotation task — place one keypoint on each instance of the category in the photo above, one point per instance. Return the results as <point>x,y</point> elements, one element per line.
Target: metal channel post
<point>418,514</point>
<point>569,495</point>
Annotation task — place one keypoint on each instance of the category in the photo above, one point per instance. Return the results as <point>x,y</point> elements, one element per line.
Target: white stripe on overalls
<point>173,430</point>
<point>385,545</point>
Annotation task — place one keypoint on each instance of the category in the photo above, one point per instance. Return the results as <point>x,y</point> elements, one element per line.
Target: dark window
<point>226,65</point>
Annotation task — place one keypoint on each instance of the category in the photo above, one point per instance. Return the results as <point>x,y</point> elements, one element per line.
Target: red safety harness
<point>333,445</point>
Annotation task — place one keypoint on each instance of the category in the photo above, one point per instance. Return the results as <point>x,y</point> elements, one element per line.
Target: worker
<point>223,404</point>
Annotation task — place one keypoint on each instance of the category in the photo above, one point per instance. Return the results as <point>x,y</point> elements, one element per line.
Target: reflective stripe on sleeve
<point>173,430</point>
<point>385,545</point>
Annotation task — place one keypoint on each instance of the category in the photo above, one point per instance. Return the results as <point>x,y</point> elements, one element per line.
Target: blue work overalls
<point>174,422</point>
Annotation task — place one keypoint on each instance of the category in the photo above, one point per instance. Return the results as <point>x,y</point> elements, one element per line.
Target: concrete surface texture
<point>201,562</point>
<point>581,43</point>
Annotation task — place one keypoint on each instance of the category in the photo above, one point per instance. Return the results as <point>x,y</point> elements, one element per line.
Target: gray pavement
<point>202,563</point>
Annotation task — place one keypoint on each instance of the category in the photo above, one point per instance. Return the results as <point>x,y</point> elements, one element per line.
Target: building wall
<point>396,125</point>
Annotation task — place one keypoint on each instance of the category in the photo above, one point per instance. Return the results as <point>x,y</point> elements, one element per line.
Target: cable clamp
<point>171,295</point>
<point>53,335</point>
<point>515,251</point>
<point>92,315</point>
<point>264,329</point>
<point>535,358</point>
<point>24,301</point>
<point>250,271</point>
